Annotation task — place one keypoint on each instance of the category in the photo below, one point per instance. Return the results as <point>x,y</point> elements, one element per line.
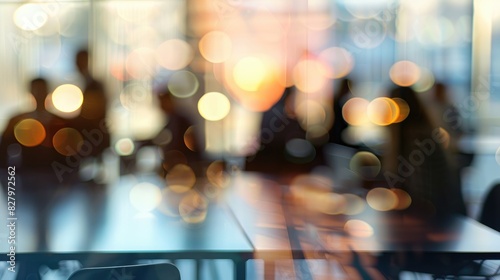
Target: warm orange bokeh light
<point>67,141</point>
<point>355,111</point>
<point>338,62</point>
<point>29,132</point>
<point>404,73</point>
<point>216,46</point>
<point>383,111</point>
<point>404,109</point>
<point>174,54</point>
<point>382,199</point>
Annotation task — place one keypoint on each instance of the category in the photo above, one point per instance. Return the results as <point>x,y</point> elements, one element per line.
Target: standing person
<point>94,106</point>
<point>26,147</point>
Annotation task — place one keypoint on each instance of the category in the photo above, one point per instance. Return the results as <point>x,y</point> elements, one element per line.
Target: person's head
<point>82,61</point>
<point>39,89</point>
<point>440,93</point>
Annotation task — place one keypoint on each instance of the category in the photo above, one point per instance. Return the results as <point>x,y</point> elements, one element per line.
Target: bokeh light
<point>124,147</point>
<point>30,17</point>
<point>180,178</point>
<point>383,111</point>
<point>174,54</point>
<point>354,204</point>
<point>364,9</point>
<point>215,46</point>
<point>309,75</point>
<point>425,82</point>
<point>300,150</point>
<point>214,106</point>
<point>249,73</point>
<point>365,164</point>
<point>193,208</point>
<point>358,228</point>
<point>145,196</point>
<point>217,175</point>
<point>382,199</point>
<point>404,73</point>
<point>331,203</point>
<point>338,62</point>
<point>67,98</point>
<point>183,84</point>
<point>190,138</point>
<point>141,63</point>
<point>404,109</point>
<point>67,141</point>
<point>404,199</point>
<point>29,132</point>
<point>355,110</point>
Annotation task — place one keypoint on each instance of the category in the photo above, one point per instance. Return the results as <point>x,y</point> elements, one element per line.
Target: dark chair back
<point>162,271</point>
<point>490,214</point>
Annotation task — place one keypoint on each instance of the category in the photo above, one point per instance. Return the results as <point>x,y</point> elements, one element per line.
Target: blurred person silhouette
<point>283,149</point>
<point>418,160</point>
<point>449,118</point>
<point>179,139</point>
<point>92,118</point>
<point>26,145</point>
<point>339,123</point>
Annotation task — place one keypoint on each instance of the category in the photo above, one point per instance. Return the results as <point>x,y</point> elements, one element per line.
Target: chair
<point>162,271</point>
<point>490,214</point>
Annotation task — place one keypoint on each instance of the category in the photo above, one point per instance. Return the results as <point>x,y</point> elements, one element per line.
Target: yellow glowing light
<point>404,199</point>
<point>30,17</point>
<point>358,228</point>
<point>268,88</point>
<point>174,54</point>
<point>383,111</point>
<point>29,132</point>
<point>355,111</point>
<point>404,73</point>
<point>124,147</point>
<point>145,197</point>
<point>180,178</point>
<point>67,141</point>
<point>366,164</point>
<point>214,106</point>
<point>338,62</point>
<point>404,109</point>
<point>141,63</point>
<point>216,46</point>
<point>249,73</point>
<point>183,84</point>
<point>308,75</point>
<point>193,208</point>
<point>382,199</point>
<point>67,98</point>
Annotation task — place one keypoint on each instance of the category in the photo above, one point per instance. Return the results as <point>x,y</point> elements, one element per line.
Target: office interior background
<point>228,61</point>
